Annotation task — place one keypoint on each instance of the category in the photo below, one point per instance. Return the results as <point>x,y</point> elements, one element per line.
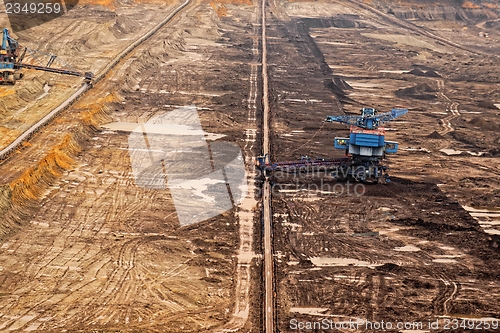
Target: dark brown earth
<point>84,249</point>
<point>406,251</point>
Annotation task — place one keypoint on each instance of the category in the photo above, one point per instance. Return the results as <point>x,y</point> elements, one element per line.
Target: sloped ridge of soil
<point>435,135</point>
<point>97,38</point>
<point>152,58</point>
<point>484,124</point>
<point>487,105</point>
<point>495,152</point>
<point>420,91</point>
<point>486,200</point>
<point>20,198</point>
<point>432,73</point>
<point>5,204</point>
<point>15,97</point>
<point>495,25</point>
<point>428,10</point>
<point>124,25</point>
<point>337,86</point>
<point>390,267</point>
<point>417,72</point>
<point>342,84</point>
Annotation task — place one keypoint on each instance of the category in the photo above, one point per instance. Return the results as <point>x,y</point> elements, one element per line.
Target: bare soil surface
<point>84,248</point>
<point>406,251</point>
<point>85,39</point>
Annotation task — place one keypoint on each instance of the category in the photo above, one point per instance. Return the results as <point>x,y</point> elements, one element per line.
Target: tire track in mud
<point>67,228</point>
<point>35,316</point>
<point>293,216</point>
<point>125,284</point>
<point>305,215</point>
<point>373,295</point>
<point>245,212</point>
<point>352,289</point>
<point>118,287</point>
<point>58,247</point>
<point>113,287</point>
<point>120,282</point>
<point>97,215</point>
<point>448,290</point>
<point>450,107</point>
<point>142,274</point>
<point>297,290</point>
<point>155,288</point>
<point>93,223</point>
<point>451,297</point>
<point>51,253</point>
<point>366,291</point>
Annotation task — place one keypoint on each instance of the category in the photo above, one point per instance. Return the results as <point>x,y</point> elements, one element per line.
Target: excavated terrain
<point>85,248</point>
<point>85,39</point>
<point>413,250</point>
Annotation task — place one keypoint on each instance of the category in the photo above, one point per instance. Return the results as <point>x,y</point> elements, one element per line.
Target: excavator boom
<point>10,62</point>
<point>369,119</point>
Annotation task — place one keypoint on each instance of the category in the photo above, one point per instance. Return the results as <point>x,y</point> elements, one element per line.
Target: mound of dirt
<point>124,25</point>
<point>495,152</point>
<point>445,10</point>
<point>417,72</point>
<point>487,200</point>
<point>423,68</point>
<point>484,124</point>
<point>390,267</point>
<point>420,91</point>
<point>487,105</point>
<point>423,88</point>
<point>432,73</point>
<point>98,37</point>
<point>428,73</point>
<point>435,135</point>
<point>492,25</point>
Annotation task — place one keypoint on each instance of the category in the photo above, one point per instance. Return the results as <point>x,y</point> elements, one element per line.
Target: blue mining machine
<point>365,148</point>
<point>11,61</point>
<point>8,55</point>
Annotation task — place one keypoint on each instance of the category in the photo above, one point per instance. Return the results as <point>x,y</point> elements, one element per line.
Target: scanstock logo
<point>26,14</point>
<point>172,151</point>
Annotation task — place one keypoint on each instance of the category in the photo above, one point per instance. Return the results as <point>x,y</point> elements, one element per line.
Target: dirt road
<point>269,303</point>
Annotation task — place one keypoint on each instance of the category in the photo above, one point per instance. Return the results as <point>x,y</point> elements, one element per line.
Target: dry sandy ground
<point>85,248</point>
<point>85,39</point>
<point>406,251</point>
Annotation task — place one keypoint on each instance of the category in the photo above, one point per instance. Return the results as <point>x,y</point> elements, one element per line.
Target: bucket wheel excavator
<point>11,62</point>
<point>365,149</point>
